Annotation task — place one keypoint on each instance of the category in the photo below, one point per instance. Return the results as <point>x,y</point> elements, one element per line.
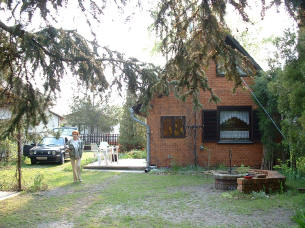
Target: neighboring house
<point>54,120</point>
<point>5,113</point>
<point>229,125</point>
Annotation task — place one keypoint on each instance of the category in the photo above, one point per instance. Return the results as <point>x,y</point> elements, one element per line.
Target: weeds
<point>290,173</point>
<point>38,184</point>
<point>299,218</point>
<point>242,169</point>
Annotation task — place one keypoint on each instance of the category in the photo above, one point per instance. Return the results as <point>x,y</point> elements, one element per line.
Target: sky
<point>133,38</point>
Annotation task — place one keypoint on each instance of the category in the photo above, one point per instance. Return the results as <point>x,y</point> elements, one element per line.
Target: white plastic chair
<point>104,148</point>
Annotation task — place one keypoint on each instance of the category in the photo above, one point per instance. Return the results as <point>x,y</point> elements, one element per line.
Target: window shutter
<point>256,132</point>
<point>210,130</point>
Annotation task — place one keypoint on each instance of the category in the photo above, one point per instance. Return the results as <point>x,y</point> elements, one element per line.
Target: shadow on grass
<point>42,207</point>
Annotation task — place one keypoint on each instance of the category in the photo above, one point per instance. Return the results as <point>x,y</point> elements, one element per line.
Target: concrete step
<point>116,167</point>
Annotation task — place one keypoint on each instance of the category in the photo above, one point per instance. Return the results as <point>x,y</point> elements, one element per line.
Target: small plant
<point>174,167</point>
<point>242,169</point>
<point>38,184</point>
<point>299,218</point>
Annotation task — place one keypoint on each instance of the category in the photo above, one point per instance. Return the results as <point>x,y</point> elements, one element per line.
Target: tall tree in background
<point>270,136</point>
<point>97,118</point>
<point>290,90</point>
<point>132,134</point>
<point>31,55</point>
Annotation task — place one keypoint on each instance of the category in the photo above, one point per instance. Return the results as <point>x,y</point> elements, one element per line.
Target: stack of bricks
<point>273,182</point>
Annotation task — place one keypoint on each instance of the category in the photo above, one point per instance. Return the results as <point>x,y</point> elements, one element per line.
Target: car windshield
<point>51,141</point>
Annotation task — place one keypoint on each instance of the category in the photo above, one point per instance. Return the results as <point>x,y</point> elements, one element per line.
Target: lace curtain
<point>243,116</point>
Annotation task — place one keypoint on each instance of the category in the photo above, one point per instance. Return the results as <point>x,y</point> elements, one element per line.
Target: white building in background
<point>54,120</point>
<point>5,113</point>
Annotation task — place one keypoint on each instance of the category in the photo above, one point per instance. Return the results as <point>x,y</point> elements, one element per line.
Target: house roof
<point>230,40</point>
<point>55,114</point>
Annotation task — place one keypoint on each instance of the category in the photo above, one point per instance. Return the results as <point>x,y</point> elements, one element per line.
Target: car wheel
<point>62,159</point>
<point>33,161</point>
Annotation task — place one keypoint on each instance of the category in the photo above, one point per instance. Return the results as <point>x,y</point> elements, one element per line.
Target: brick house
<point>229,125</point>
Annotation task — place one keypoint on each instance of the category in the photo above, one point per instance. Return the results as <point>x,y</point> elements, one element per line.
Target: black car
<point>50,149</point>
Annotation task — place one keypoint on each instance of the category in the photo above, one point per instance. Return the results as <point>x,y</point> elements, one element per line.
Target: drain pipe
<point>148,168</point>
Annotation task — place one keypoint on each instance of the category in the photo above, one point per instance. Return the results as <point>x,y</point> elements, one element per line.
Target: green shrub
<point>301,166</point>
<point>284,168</point>
<point>299,218</point>
<point>133,154</point>
<point>242,169</point>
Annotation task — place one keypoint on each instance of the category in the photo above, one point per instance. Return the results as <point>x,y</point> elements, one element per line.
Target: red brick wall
<point>168,151</point>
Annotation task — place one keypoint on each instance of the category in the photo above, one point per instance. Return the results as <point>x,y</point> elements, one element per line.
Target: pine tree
<point>45,53</point>
<point>132,134</point>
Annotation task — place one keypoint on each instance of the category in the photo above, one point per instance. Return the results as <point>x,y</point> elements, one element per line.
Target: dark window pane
<point>167,127</point>
<point>178,128</point>
<point>172,126</point>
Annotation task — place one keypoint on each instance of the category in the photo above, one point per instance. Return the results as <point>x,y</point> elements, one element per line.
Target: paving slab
<point>121,164</point>
<point>5,195</point>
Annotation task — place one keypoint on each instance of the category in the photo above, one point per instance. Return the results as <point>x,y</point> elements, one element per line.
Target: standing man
<point>76,150</point>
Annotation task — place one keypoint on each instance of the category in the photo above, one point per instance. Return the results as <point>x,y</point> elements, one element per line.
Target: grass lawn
<point>108,199</point>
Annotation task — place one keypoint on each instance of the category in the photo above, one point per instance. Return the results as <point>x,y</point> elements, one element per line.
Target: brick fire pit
<point>226,181</point>
<point>273,182</point>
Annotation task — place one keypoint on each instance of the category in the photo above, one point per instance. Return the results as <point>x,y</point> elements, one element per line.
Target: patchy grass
<point>52,174</point>
<point>179,198</point>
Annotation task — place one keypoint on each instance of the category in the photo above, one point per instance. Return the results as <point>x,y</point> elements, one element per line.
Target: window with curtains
<point>172,126</point>
<point>234,125</point>
<point>230,124</point>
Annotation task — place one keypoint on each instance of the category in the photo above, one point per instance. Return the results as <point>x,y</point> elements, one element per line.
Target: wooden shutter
<point>210,129</point>
<point>256,132</point>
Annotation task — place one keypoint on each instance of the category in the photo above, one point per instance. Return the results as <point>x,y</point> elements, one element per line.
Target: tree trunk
<point>19,148</point>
